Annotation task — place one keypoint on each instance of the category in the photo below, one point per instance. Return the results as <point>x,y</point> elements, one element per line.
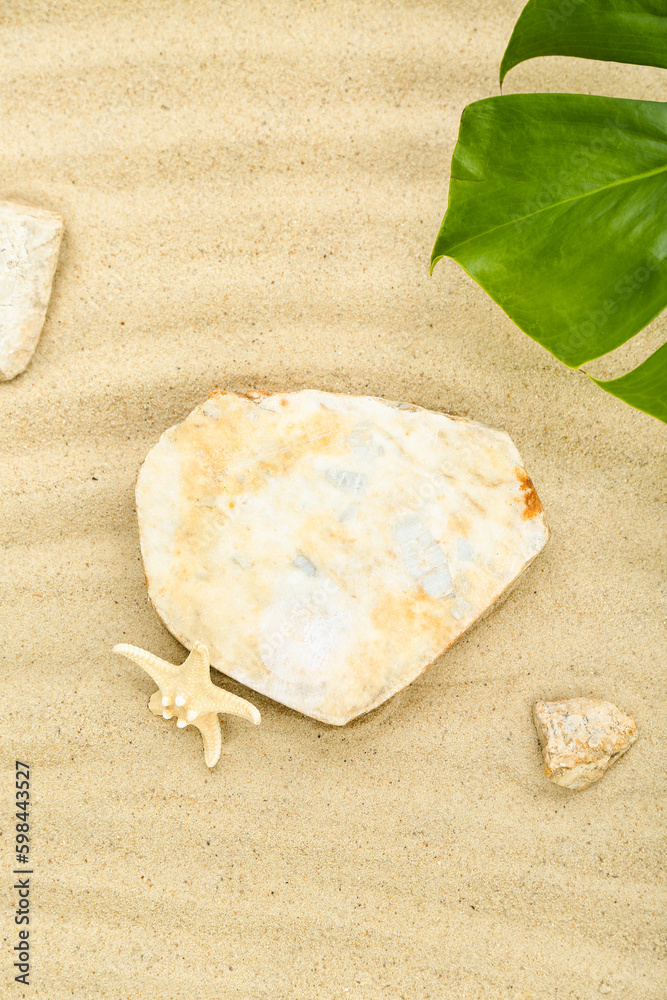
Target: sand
<point>251,193</point>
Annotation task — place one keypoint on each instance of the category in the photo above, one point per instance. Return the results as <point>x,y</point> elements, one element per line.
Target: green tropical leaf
<point>627,31</point>
<point>558,209</point>
<point>644,387</point>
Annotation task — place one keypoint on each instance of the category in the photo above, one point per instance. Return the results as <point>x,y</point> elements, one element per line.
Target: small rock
<point>580,738</point>
<point>29,244</point>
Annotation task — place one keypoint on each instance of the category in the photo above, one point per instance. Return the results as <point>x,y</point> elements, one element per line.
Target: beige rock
<point>328,548</point>
<point>580,738</point>
<point>29,245</point>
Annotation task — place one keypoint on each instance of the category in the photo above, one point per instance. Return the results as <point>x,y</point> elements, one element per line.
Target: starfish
<point>188,692</point>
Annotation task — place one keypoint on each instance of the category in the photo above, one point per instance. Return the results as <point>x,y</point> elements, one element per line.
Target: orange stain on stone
<point>531,501</point>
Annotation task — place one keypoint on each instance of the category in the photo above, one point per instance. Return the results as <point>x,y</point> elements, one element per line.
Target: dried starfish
<point>188,692</point>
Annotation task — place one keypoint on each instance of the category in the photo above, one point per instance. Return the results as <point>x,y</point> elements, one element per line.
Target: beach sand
<point>251,192</point>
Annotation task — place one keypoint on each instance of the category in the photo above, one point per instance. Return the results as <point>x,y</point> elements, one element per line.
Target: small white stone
<point>180,700</point>
<point>29,245</point>
<point>181,723</point>
<point>165,701</point>
<point>580,738</point>
<point>191,715</point>
<point>167,715</point>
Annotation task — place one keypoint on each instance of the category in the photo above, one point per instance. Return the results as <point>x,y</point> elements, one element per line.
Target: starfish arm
<point>155,704</point>
<point>198,665</point>
<point>209,727</point>
<point>159,669</point>
<point>230,704</point>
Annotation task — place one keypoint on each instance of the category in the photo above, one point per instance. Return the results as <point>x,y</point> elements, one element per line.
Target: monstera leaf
<point>558,209</point>
<point>629,31</point>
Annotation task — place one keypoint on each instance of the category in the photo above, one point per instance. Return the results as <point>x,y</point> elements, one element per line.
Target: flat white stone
<point>29,245</point>
<point>581,738</point>
<point>328,548</point>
